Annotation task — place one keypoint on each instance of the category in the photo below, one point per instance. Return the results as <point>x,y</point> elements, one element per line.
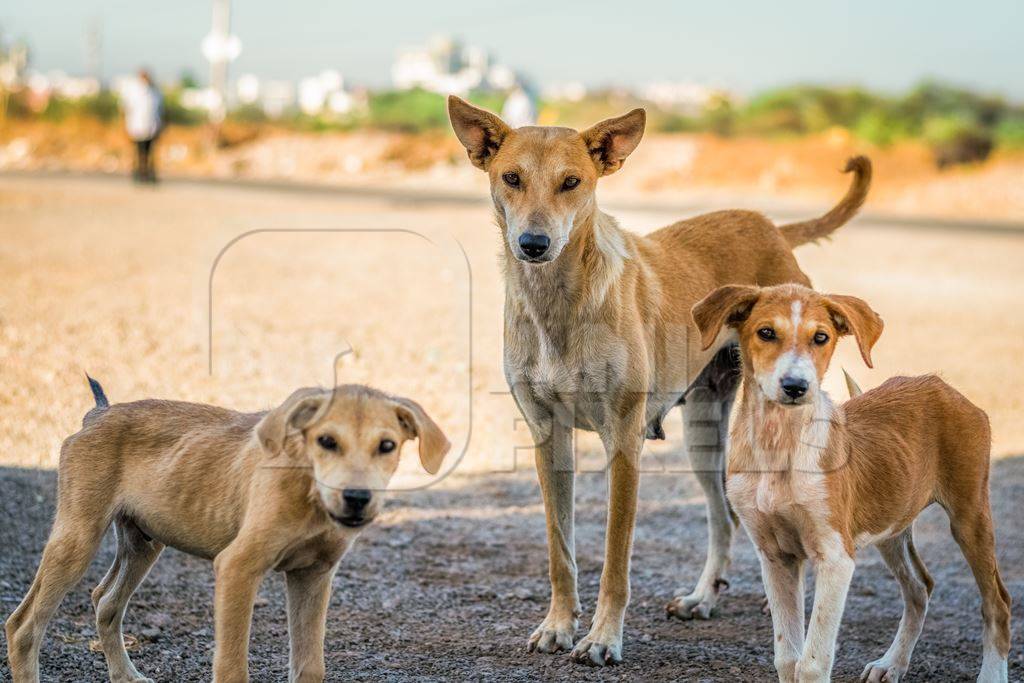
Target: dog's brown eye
<point>820,338</point>
<point>570,182</point>
<point>327,442</point>
<point>766,333</point>
<point>511,179</point>
<point>386,446</point>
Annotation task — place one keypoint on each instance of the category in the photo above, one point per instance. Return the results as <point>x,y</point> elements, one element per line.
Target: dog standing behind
<point>287,489</point>
<point>598,336</point>
<point>812,480</point>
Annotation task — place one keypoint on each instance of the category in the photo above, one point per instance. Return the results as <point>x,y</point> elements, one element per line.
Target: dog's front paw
<point>555,634</point>
<point>700,604</point>
<point>599,649</point>
<point>883,670</point>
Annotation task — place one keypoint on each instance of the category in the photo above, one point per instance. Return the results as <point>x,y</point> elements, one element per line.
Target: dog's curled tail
<point>817,228</point>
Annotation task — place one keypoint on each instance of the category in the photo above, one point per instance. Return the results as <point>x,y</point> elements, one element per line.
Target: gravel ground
<point>104,277</point>
<point>451,580</point>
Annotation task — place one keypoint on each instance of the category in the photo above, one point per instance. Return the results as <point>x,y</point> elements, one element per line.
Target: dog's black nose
<point>532,245</point>
<point>794,387</point>
<point>356,500</point>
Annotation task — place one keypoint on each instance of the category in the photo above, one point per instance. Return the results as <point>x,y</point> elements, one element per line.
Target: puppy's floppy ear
<point>479,131</point>
<point>612,140</point>
<point>853,316</point>
<point>298,410</point>
<point>417,424</point>
<point>729,305</point>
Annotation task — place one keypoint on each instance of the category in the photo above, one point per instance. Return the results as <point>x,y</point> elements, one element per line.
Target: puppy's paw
<point>700,604</point>
<point>553,635</point>
<point>883,670</point>
<point>597,649</point>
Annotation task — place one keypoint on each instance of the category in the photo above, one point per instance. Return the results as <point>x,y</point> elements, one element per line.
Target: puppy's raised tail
<point>101,401</point>
<point>823,226</point>
<point>97,393</point>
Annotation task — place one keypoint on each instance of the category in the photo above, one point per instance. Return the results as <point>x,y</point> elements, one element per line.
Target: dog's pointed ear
<point>434,444</point>
<point>612,140</point>
<point>299,410</point>
<point>853,316</point>
<point>479,131</point>
<point>729,305</point>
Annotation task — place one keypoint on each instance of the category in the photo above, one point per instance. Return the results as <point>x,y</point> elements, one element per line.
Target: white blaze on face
<point>791,364</point>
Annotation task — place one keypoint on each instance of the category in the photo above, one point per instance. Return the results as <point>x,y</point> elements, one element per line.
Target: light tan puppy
<point>598,336</point>
<point>813,480</point>
<point>287,490</point>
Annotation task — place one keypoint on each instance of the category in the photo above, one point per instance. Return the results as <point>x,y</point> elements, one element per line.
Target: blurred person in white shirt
<point>143,119</point>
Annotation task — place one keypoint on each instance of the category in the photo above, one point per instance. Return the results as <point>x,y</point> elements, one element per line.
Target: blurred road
<point>405,196</point>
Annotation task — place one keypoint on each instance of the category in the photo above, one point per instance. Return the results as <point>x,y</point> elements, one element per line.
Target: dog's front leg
<point>309,591</point>
<point>556,472</point>
<point>603,644</point>
<point>238,572</point>
<point>784,585</point>
<point>832,575</point>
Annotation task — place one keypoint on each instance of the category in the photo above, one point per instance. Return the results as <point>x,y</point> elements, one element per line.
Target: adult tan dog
<point>598,336</point>
<point>287,489</point>
<point>812,480</point>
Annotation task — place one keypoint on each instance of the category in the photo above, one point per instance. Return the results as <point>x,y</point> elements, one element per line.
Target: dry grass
<point>104,277</point>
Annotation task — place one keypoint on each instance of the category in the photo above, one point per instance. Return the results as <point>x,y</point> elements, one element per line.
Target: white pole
<point>219,62</point>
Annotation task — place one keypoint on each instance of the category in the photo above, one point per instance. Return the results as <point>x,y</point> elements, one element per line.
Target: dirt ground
<point>100,276</point>
<point>669,166</point>
<point>450,582</point>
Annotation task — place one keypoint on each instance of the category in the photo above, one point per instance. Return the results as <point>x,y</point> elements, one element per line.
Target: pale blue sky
<point>740,44</point>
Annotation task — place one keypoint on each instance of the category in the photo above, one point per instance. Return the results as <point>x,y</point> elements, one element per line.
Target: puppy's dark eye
<point>511,179</point>
<point>820,338</point>
<point>570,183</point>
<point>386,446</point>
<point>327,442</point>
<point>766,333</point>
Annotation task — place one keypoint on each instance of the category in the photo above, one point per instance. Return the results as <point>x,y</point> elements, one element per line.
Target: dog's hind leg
<point>72,544</point>
<point>705,435</point>
<point>136,554</point>
<point>916,585</point>
<point>971,523</point>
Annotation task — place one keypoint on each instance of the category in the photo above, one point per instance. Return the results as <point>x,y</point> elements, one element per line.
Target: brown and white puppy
<point>287,489</point>
<point>818,481</point>
<point>598,336</point>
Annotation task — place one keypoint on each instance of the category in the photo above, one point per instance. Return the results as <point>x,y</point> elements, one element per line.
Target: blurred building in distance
<point>324,92</point>
<point>573,91</point>
<point>686,97</point>
<point>445,65</point>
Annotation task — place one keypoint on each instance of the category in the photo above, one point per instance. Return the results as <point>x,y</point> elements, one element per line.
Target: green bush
<point>957,140</point>
<point>411,111</point>
<point>176,113</point>
<point>103,106</point>
<point>1010,132</point>
<point>248,113</point>
<point>881,126</point>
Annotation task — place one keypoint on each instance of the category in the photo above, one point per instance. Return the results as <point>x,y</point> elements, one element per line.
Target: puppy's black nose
<point>794,387</point>
<point>534,246</point>
<point>356,500</point>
